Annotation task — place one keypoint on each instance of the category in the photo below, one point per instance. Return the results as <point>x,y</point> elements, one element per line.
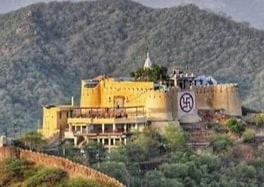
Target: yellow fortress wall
<point>54,118</point>
<point>158,106</point>
<point>223,96</point>
<point>108,92</point>
<point>90,96</point>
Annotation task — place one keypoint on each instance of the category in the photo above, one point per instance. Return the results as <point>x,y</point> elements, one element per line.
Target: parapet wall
<point>73,169</point>
<point>223,96</point>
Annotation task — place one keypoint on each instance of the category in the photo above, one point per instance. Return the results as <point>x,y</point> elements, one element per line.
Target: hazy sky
<point>251,11</point>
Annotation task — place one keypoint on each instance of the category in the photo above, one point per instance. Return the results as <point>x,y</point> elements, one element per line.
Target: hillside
<point>20,172</point>
<point>45,49</point>
<point>239,10</point>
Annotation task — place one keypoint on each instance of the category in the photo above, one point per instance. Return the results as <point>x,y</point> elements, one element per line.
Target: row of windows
<point>111,141</point>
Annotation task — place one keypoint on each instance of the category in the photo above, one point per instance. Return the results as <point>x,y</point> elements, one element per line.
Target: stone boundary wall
<point>6,153</point>
<point>74,169</point>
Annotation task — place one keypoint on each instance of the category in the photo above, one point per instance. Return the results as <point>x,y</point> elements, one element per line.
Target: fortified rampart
<point>74,169</point>
<point>90,96</point>
<point>161,105</point>
<point>222,96</point>
<point>109,93</point>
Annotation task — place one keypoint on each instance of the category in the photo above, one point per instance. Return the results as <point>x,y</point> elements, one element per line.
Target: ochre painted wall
<point>159,104</point>
<point>104,94</point>
<point>223,96</point>
<point>54,118</point>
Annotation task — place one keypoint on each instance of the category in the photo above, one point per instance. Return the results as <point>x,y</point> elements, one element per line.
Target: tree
<point>34,140</point>
<point>94,152</point>
<point>117,170</point>
<point>177,170</point>
<point>144,145</point>
<point>174,137</point>
<point>154,74</point>
<point>154,178</point>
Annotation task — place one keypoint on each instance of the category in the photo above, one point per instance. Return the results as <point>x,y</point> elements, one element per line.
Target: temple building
<point>112,108</point>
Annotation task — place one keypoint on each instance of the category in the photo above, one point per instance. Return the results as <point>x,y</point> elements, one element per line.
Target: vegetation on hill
<point>45,49</point>
<point>151,159</point>
<point>17,172</point>
<point>233,156</point>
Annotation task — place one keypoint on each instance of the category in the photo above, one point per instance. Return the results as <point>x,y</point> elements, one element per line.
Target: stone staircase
<point>199,135</point>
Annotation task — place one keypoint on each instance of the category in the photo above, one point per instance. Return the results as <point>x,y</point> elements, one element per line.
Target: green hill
<point>19,172</point>
<point>45,50</point>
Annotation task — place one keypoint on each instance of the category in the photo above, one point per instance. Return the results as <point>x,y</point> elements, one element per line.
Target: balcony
<point>94,133</point>
<point>104,112</point>
<point>93,130</point>
<point>85,115</point>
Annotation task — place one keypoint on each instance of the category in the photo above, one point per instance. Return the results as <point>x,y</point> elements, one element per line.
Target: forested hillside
<point>45,50</point>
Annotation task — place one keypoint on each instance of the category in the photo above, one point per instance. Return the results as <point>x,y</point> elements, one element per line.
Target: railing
<point>100,132</point>
<point>120,112</point>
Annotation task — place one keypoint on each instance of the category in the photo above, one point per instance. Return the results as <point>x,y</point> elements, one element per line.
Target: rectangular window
<point>117,141</point>
<point>106,142</point>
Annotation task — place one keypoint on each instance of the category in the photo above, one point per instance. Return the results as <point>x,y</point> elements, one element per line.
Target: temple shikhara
<point>112,108</point>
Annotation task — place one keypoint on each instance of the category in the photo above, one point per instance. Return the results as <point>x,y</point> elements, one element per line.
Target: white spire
<point>148,63</point>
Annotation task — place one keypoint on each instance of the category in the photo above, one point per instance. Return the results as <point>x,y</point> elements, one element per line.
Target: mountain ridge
<point>47,48</point>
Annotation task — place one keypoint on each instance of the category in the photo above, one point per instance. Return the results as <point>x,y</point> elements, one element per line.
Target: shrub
<point>174,137</point>
<point>221,143</point>
<point>83,183</point>
<point>248,135</point>
<point>16,167</point>
<point>154,178</point>
<point>46,177</point>
<point>235,126</point>
<point>258,119</point>
<point>13,169</point>
<point>177,170</point>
